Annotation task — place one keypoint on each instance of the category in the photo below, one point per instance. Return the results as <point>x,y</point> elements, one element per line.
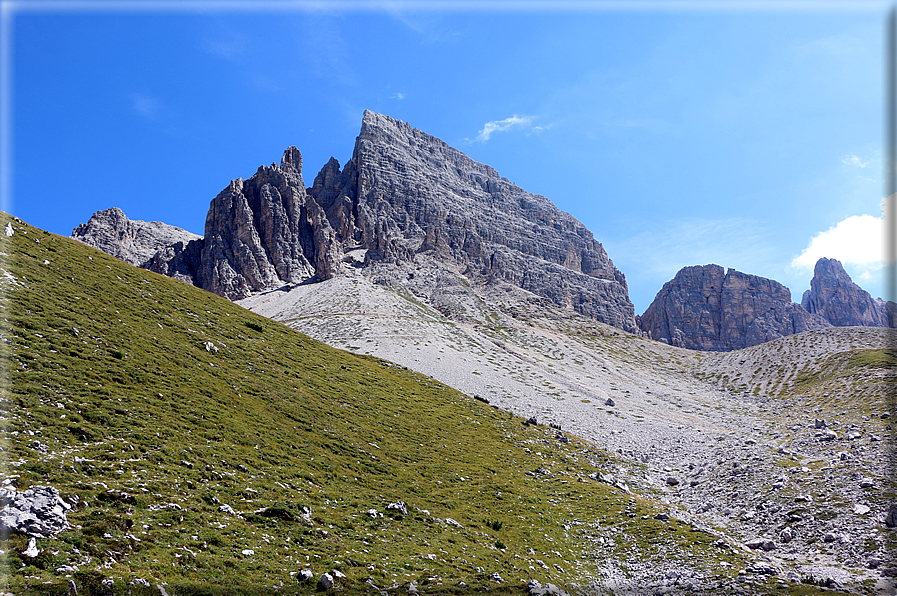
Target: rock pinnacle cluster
<point>418,215</point>
<point>403,196</point>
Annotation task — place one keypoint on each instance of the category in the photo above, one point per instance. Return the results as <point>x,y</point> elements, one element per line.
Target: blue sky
<point>744,134</point>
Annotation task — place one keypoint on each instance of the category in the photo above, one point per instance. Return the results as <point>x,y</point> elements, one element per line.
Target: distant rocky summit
<point>708,308</point>
<point>261,233</point>
<point>417,214</point>
<point>132,241</point>
<point>705,308</point>
<point>404,197</point>
<point>834,296</point>
<point>405,193</point>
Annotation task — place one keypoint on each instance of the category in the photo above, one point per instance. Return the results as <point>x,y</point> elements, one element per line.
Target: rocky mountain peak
<point>834,296</point>
<point>404,197</point>
<point>292,161</point>
<point>709,308</point>
<point>328,176</point>
<point>132,241</point>
<point>261,233</point>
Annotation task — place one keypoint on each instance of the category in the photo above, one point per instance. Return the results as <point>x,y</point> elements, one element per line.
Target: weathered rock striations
<point>264,232</point>
<point>132,241</point>
<point>404,197</point>
<point>406,193</point>
<point>261,233</point>
<point>705,308</point>
<point>834,296</point>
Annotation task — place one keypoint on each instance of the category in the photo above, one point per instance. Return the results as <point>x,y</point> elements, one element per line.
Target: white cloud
<point>400,95</point>
<point>502,125</point>
<point>145,106</point>
<point>855,241</point>
<point>229,49</point>
<point>854,161</point>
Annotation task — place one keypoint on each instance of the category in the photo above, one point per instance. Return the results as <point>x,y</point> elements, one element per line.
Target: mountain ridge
<point>709,308</point>
<point>403,196</point>
<point>728,440</point>
<point>209,450</point>
<point>407,201</point>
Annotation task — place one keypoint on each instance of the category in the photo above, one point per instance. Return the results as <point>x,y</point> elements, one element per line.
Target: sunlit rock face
<point>834,296</point>
<point>707,308</point>
<point>404,197</point>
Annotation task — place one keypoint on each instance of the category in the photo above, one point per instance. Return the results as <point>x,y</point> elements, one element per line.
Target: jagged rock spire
<point>261,233</point>
<point>835,297</point>
<point>403,194</point>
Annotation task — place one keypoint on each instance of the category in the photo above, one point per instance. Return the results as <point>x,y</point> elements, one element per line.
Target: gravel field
<point>740,441</point>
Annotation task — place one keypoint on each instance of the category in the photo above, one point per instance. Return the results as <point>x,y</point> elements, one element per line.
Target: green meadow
<point>151,405</point>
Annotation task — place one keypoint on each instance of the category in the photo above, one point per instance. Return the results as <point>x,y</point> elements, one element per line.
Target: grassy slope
<point>107,369</point>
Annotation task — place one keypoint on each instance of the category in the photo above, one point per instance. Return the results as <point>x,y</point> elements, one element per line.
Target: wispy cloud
<point>222,39</point>
<point>326,51</point>
<point>854,160</point>
<point>855,241</point>
<point>502,125</point>
<point>229,49</point>
<point>653,255</point>
<point>145,105</point>
<point>430,26</point>
<point>659,251</point>
<point>398,95</point>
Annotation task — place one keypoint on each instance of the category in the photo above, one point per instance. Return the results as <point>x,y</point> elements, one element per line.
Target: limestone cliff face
<point>406,193</point>
<point>261,233</point>
<point>404,196</point>
<point>265,232</point>
<point>835,297</point>
<point>132,241</point>
<point>707,308</point>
